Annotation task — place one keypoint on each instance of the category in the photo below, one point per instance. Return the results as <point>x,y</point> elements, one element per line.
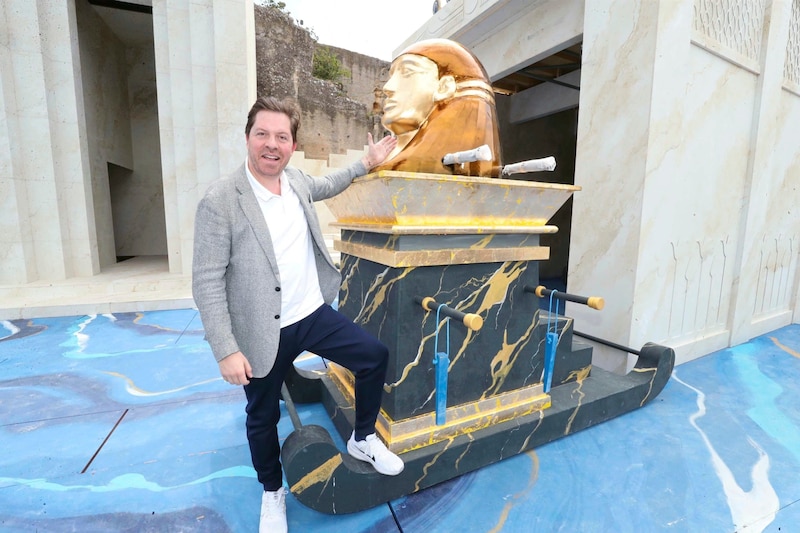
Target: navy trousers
<point>331,335</point>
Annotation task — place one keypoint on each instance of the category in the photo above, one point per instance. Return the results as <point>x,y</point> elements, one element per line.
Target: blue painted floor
<point>121,423</point>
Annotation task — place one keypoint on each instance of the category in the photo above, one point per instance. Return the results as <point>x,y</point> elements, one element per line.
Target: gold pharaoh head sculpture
<point>439,101</point>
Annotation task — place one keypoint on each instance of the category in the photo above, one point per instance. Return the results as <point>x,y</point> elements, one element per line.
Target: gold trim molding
<point>405,435</point>
<point>447,256</point>
<point>446,229</point>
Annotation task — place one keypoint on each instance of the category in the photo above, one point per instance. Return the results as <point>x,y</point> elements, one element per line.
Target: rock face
<point>335,116</point>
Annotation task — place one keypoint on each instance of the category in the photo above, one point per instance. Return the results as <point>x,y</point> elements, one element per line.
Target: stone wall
<point>335,117</point>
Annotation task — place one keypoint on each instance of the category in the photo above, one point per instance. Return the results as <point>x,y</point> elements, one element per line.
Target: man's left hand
<point>377,151</point>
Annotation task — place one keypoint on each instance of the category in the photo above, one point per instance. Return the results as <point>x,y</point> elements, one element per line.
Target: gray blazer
<point>235,278</point>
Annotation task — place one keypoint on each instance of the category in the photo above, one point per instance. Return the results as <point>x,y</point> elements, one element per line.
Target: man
<point>439,101</point>
<point>263,281</point>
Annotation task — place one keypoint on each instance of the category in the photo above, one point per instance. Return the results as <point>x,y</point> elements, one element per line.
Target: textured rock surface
<point>336,116</point>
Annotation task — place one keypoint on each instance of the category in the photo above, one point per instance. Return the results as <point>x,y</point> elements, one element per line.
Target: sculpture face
<point>413,82</point>
<point>439,101</point>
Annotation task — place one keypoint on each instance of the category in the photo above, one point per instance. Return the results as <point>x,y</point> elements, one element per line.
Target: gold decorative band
<point>450,256</point>
<point>444,226</point>
<point>477,88</point>
<point>404,435</point>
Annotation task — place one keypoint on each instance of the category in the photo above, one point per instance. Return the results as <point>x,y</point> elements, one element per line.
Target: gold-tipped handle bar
<point>595,302</point>
<point>470,320</point>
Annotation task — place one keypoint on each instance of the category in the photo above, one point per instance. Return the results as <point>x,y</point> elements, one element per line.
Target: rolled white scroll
<point>481,153</point>
<point>533,165</point>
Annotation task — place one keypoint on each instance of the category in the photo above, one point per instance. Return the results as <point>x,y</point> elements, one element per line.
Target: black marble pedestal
<point>406,237</point>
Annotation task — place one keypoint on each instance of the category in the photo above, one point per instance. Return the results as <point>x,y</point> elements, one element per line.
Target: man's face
<point>269,145</point>
<point>413,82</point>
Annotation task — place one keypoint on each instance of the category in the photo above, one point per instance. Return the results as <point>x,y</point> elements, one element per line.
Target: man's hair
<point>287,106</point>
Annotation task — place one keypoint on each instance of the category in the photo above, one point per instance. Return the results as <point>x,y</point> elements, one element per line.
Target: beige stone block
<point>22,25</point>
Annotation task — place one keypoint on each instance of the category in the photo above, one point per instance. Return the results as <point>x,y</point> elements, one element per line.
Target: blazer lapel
<point>251,210</point>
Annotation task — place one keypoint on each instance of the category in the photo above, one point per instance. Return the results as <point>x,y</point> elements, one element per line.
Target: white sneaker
<point>373,451</point>
<point>273,512</point>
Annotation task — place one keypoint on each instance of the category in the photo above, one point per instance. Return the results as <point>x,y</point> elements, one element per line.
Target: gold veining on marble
<point>490,292</point>
<point>430,464</point>
<point>420,431</point>
<point>467,448</point>
<point>344,287</point>
<point>528,438</point>
<point>503,361</point>
<point>650,382</point>
<point>140,316</point>
<point>493,292</point>
<point>425,338</point>
<point>448,256</point>
<point>376,295</point>
<point>408,367</point>
<point>135,390</point>
<point>483,243</point>
<point>580,375</point>
<point>321,474</point>
<point>510,503</point>
<point>391,242</point>
<point>785,348</point>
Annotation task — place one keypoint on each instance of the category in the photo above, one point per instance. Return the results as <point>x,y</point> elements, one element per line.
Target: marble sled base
<point>327,480</point>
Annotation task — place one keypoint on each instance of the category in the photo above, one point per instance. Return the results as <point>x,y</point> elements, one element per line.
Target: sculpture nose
<point>388,87</point>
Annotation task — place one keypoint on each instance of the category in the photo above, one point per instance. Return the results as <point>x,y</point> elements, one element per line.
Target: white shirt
<point>291,242</point>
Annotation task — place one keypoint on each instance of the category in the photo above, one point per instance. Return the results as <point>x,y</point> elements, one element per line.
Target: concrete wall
<point>121,111</point>
<point>138,201</point>
<point>205,76</point>
<point>76,99</point>
<point>107,114</point>
<point>46,210</point>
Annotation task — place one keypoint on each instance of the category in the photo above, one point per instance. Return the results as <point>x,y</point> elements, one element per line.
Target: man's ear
<point>446,89</point>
